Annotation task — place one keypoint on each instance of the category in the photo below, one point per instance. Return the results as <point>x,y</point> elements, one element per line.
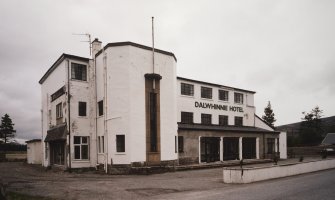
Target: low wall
<point>249,175</point>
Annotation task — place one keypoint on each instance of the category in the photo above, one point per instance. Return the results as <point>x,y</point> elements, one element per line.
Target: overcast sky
<point>283,50</point>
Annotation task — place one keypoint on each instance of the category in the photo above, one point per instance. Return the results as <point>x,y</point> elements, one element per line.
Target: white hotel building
<point>118,111</point>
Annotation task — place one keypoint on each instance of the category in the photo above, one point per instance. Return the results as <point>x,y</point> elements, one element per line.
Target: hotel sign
<point>217,106</point>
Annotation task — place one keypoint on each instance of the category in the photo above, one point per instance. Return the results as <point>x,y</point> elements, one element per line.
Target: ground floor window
<point>101,144</point>
<point>81,147</point>
<point>271,145</point>
<point>120,143</point>
<point>180,144</point>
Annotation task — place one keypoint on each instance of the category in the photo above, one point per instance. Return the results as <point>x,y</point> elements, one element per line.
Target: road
<point>318,185</point>
<point>196,184</point>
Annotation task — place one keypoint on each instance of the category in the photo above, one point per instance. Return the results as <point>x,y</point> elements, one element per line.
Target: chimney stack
<point>96,46</point>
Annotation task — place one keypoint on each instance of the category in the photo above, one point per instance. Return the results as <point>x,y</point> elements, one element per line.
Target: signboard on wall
<point>215,106</point>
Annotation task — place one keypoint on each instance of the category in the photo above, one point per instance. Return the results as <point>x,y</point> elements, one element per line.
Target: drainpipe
<point>96,108</point>
<point>68,104</point>
<point>105,107</point>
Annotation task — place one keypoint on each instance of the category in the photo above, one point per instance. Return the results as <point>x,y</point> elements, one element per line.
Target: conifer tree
<point>6,128</point>
<point>269,116</point>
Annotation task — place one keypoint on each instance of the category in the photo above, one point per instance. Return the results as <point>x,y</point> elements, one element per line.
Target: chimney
<point>96,46</point>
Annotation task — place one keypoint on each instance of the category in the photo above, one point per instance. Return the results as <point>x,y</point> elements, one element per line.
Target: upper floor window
<point>238,97</point>
<point>101,107</point>
<point>206,92</point>
<point>238,121</point>
<point>59,111</point>
<point>78,71</point>
<point>187,117</point>
<point>206,118</point>
<point>187,89</point>
<point>223,95</point>
<point>223,120</point>
<point>82,108</point>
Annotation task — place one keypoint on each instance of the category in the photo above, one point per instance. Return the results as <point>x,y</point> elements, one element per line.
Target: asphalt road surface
<point>313,186</point>
<point>196,184</point>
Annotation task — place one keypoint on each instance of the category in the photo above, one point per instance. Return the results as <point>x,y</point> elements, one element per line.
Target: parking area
<point>34,180</point>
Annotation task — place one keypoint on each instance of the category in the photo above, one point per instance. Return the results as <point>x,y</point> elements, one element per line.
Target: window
<point>223,95</point>
<point>238,121</point>
<point>187,89</point>
<point>59,111</point>
<point>101,144</point>
<point>180,144</point>
<point>206,118</point>
<point>81,148</point>
<point>206,92</point>
<point>223,120</point>
<point>271,145</point>
<point>101,107</point>
<point>78,72</point>
<point>82,109</point>
<point>238,97</point>
<point>120,143</point>
<point>58,93</point>
<point>187,117</point>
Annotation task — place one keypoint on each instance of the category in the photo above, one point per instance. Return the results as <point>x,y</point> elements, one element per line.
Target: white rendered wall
<point>283,145</point>
<point>56,80</point>
<point>260,124</point>
<point>249,175</point>
<point>187,104</point>
<point>126,67</point>
<point>34,153</point>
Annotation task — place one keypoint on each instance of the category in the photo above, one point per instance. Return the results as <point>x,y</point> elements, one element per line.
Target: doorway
<point>57,153</point>
<point>210,149</point>
<point>231,148</point>
<point>249,148</point>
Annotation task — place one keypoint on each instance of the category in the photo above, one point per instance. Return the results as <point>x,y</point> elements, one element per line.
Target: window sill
<point>83,117</point>
<point>120,153</point>
<point>189,96</point>
<point>77,80</point>
<point>206,99</point>
<point>238,103</point>
<point>81,161</point>
<point>223,101</point>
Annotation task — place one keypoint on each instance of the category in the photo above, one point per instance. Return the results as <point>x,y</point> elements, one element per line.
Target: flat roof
<point>116,44</point>
<point>214,84</point>
<point>58,61</point>
<point>214,127</point>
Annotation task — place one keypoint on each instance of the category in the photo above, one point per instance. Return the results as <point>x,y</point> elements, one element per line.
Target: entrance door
<point>249,148</point>
<point>57,153</point>
<point>230,148</point>
<point>210,149</point>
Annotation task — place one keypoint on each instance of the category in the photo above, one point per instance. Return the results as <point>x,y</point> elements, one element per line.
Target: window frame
<point>223,120</point>
<point>76,71</point>
<point>101,108</point>
<point>203,119</point>
<point>81,107</point>
<point>206,92</point>
<point>238,97</point>
<point>224,94</point>
<point>59,110</point>
<point>186,89</point>
<point>271,142</point>
<point>238,118</point>
<point>81,144</point>
<point>120,143</point>
<point>186,119</point>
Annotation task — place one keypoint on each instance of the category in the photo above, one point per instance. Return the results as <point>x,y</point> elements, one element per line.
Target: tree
<point>6,128</point>
<point>269,116</point>
<point>311,130</point>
